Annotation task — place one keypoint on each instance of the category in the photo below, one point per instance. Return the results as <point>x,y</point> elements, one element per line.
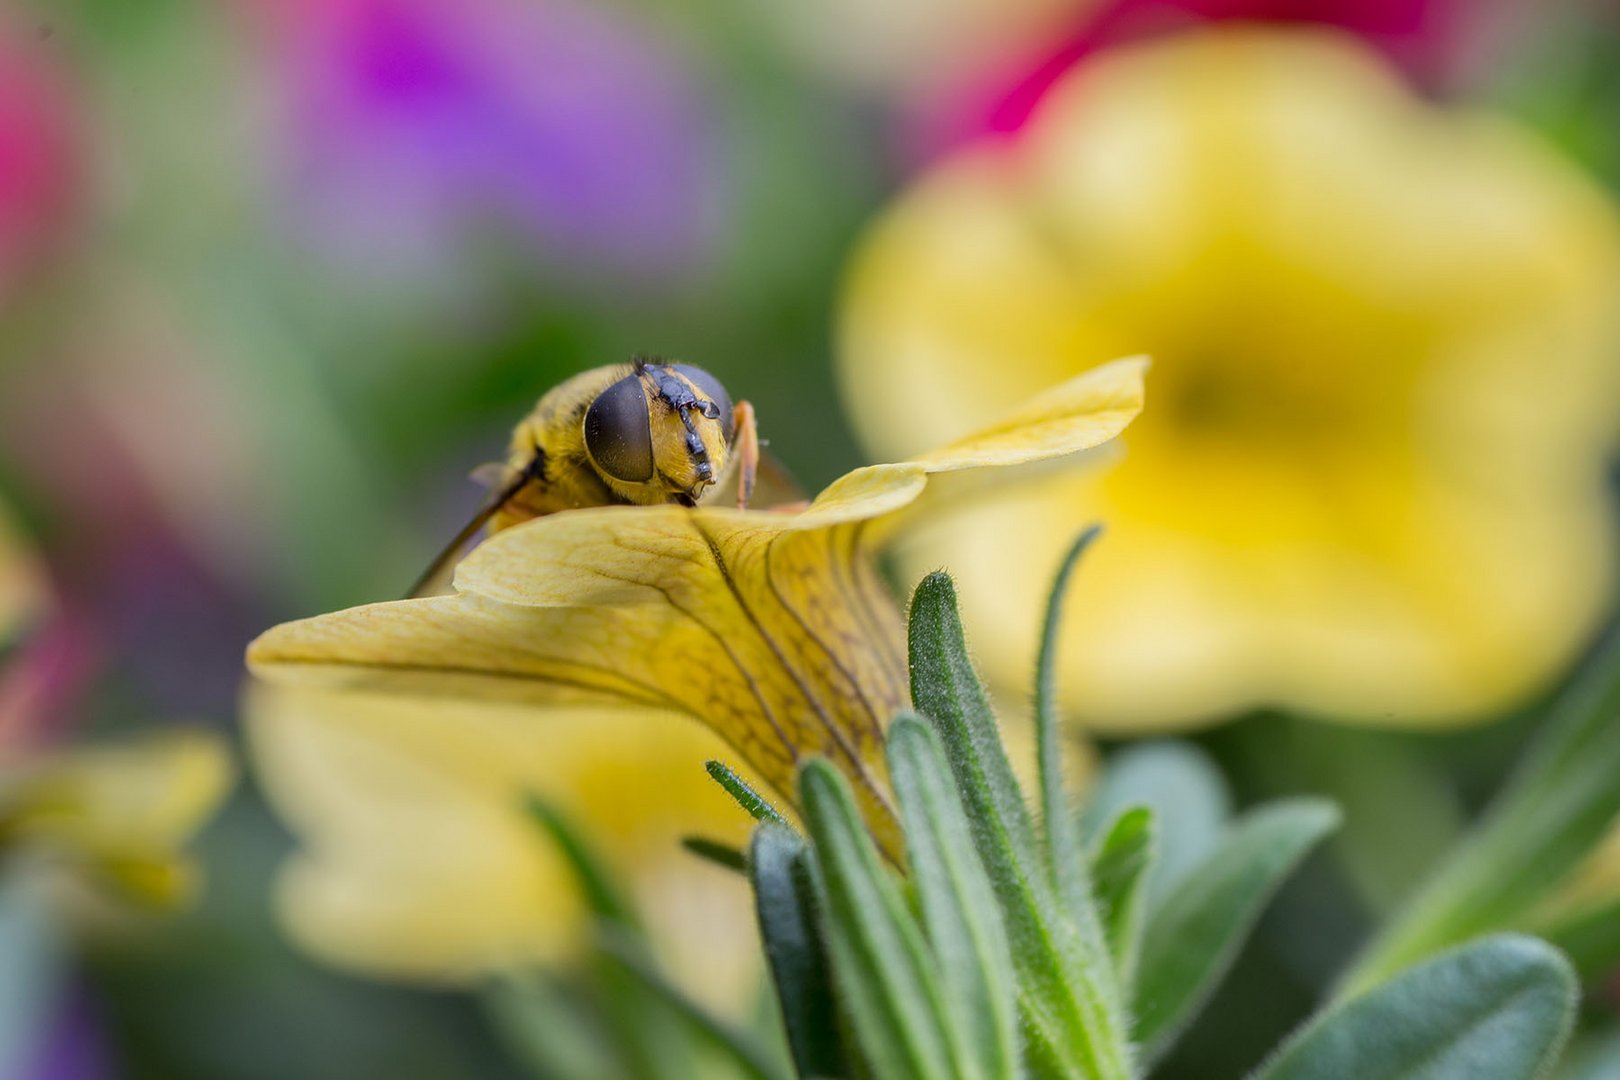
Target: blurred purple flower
<point>422,126</point>
<point>71,1047</point>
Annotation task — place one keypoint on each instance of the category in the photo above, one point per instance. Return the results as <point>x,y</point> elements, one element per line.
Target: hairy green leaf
<point>784,901</point>
<point>758,807</point>
<point>958,905</point>
<point>1188,796</point>
<point>1119,868</point>
<point>1063,848</point>
<point>946,689</point>
<point>1072,1013</point>
<point>880,965</point>
<point>1498,1009</point>
<point>1195,934</point>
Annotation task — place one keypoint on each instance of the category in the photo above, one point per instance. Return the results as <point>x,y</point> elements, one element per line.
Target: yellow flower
<point>1372,484</point>
<point>119,814</point>
<point>400,737</point>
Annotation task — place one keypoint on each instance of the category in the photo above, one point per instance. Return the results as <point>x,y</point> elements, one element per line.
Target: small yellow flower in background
<point>399,738</point>
<point>1372,482</point>
<point>118,814</point>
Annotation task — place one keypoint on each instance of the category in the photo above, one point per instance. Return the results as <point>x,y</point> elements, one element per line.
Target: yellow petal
<point>781,640</point>
<point>1077,414</point>
<point>418,860</point>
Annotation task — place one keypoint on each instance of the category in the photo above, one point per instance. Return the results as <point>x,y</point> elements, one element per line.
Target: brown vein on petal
<point>719,639</point>
<point>649,696</point>
<point>813,635</point>
<point>860,590</point>
<point>838,736</point>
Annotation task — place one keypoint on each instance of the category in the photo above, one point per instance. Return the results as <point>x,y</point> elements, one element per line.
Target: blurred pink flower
<point>422,127</point>
<point>41,683</point>
<point>38,156</point>
<point>1418,35</point>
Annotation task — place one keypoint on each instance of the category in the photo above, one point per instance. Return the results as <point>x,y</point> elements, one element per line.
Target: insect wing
<point>503,485</point>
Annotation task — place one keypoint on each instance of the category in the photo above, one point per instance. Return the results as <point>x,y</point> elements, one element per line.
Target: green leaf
<point>1498,1009</point>
<point>548,1029</point>
<point>722,855</point>
<point>1592,1058</point>
<point>735,1047</point>
<point>739,789</point>
<point>880,965</point>
<point>1063,848</point>
<point>1384,790</point>
<point>1556,808</point>
<point>1188,797</point>
<point>1120,867</point>
<point>1195,934</point>
<point>649,1040</point>
<point>946,689</point>
<point>1589,937</point>
<point>601,893</point>
<point>1071,1006</point>
<point>958,905</point>
<point>784,901</point>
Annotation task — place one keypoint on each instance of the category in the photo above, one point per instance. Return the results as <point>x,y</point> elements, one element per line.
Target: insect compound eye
<point>709,387</point>
<point>618,432</point>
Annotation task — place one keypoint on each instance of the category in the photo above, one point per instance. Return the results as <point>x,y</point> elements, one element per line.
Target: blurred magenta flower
<point>420,129</point>
<point>38,157</point>
<point>1422,37</point>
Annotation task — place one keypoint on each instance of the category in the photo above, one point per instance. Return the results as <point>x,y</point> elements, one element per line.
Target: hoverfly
<point>650,432</point>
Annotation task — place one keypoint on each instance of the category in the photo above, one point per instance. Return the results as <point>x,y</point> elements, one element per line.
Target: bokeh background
<point>276,274</point>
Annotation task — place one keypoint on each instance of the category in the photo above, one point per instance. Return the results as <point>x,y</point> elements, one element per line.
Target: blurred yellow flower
<point>1372,484</point>
<point>118,814</point>
<point>400,737</point>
